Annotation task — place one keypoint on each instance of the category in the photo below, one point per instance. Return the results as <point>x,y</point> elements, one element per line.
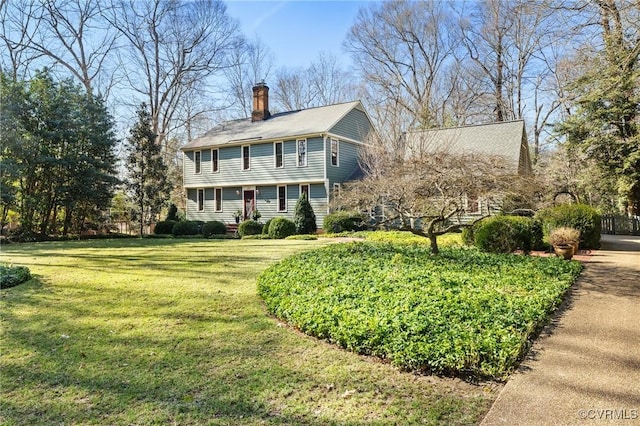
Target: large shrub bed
<point>463,312</point>
<point>11,276</point>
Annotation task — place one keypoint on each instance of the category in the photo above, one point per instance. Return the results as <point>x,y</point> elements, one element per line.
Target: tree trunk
<point>434,244</point>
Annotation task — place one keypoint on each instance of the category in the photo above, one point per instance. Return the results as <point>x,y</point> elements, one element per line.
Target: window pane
<point>218,199</point>
<point>279,162</point>
<point>200,200</point>
<point>302,152</point>
<point>282,198</point>
<point>304,189</point>
<point>197,160</point>
<point>214,160</point>
<point>334,152</point>
<point>245,158</point>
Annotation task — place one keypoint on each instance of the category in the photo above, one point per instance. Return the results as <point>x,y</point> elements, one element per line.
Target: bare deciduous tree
<point>423,190</point>
<point>69,33</point>
<point>250,63</point>
<point>174,47</point>
<point>323,82</point>
<point>402,51</point>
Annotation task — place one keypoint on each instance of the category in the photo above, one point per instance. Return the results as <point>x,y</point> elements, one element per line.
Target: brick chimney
<point>260,102</point>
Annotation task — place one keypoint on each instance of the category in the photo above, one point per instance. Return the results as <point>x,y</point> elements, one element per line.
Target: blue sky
<point>297,31</point>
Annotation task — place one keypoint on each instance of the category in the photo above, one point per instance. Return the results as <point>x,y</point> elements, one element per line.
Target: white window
<point>278,153</point>
<point>473,204</point>
<point>336,189</point>
<point>304,189</point>
<point>301,151</point>
<point>200,199</point>
<point>214,161</point>
<point>218,196</point>
<point>334,152</point>
<point>282,198</point>
<point>197,159</point>
<point>246,157</point>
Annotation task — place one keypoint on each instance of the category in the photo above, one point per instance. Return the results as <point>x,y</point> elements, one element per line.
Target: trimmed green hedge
<point>584,218</point>
<point>341,221</point>
<point>249,227</point>
<point>281,227</point>
<point>187,227</point>
<point>505,234</point>
<point>462,312</point>
<point>164,227</point>
<point>11,276</point>
<point>214,227</point>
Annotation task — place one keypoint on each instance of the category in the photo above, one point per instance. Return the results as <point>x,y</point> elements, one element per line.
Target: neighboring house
<point>506,139</point>
<point>265,162</point>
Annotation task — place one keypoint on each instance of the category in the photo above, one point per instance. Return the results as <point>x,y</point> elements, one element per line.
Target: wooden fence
<point>621,225</point>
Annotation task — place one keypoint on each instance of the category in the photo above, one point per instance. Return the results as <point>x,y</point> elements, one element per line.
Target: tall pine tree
<point>147,183</point>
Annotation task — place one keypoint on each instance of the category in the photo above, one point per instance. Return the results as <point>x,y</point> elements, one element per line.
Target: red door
<point>249,203</point>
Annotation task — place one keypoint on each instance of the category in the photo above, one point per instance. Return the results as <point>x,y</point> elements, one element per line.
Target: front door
<point>249,203</point>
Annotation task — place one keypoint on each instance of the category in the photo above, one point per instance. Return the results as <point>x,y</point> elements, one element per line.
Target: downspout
<point>324,169</point>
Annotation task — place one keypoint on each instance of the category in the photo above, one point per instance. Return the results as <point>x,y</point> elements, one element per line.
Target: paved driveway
<point>586,371</point>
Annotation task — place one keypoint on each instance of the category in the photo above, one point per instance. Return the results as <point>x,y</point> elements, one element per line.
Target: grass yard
<point>173,332</point>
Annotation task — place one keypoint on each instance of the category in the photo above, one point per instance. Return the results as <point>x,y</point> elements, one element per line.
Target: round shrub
<point>281,227</point>
<point>164,227</point>
<point>505,234</point>
<point>265,228</point>
<point>213,228</point>
<point>249,227</point>
<point>584,218</point>
<point>494,235</point>
<point>186,227</point>
<point>341,221</point>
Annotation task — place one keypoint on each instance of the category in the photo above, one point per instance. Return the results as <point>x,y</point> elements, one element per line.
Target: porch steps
<point>232,228</point>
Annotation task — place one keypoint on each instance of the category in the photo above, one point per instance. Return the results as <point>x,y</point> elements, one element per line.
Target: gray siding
<point>262,165</point>
<point>355,125</point>
<point>347,162</point>
<point>266,203</point>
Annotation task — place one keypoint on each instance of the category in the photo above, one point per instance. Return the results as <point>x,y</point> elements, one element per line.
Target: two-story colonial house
<point>266,161</point>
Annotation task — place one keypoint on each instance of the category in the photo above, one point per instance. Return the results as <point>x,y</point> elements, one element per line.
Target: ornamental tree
<point>425,192</point>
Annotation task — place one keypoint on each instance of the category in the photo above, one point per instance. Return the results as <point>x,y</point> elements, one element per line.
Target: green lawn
<point>172,332</point>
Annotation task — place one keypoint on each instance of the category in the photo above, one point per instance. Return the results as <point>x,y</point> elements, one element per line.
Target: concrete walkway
<point>586,370</point>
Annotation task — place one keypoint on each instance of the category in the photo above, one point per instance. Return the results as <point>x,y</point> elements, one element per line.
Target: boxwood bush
<point>281,227</point>
<point>462,312</point>
<point>164,227</point>
<point>11,276</point>
<point>214,227</point>
<point>249,227</point>
<point>505,234</point>
<point>186,227</point>
<point>341,221</point>
<point>584,218</point>
<point>265,228</point>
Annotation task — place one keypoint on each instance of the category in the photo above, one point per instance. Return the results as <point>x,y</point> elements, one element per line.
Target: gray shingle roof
<point>282,125</point>
<point>505,139</point>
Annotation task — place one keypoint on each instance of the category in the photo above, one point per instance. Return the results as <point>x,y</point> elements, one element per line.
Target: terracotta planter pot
<point>565,251</point>
<point>575,247</point>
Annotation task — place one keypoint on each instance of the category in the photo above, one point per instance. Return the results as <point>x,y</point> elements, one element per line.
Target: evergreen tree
<point>605,125</point>
<point>305,218</point>
<point>147,171</point>
<point>58,154</point>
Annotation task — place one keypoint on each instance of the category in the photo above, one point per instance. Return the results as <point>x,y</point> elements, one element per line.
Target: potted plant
<point>564,241</point>
<point>256,215</point>
<point>237,215</point>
